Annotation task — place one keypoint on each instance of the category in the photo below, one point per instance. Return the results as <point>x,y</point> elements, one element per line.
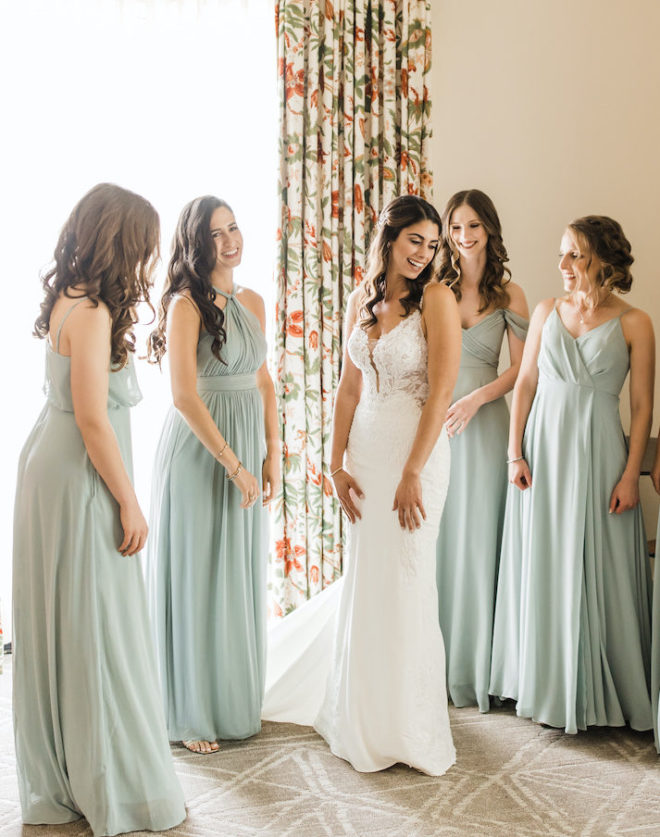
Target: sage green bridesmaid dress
<point>88,718</point>
<point>469,538</point>
<point>206,556</point>
<point>655,666</point>
<point>572,636</point>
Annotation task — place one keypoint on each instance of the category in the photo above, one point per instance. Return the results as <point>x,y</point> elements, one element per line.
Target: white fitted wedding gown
<point>385,695</point>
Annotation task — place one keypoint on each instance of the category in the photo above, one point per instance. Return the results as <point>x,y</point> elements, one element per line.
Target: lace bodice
<point>386,699</point>
<point>395,363</point>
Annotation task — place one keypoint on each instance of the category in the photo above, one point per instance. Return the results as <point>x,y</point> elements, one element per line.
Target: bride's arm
<point>442,326</point>
<point>346,400</point>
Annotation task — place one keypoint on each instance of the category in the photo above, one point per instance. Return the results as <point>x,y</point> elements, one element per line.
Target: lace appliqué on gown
<point>386,699</point>
<point>394,363</point>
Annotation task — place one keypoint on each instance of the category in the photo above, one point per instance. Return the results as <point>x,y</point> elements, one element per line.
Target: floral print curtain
<point>354,133</point>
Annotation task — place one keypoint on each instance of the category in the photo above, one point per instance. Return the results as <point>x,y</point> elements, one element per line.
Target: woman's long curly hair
<point>107,252</point>
<point>191,265</point>
<point>492,286</point>
<point>400,213</point>
<point>603,237</point>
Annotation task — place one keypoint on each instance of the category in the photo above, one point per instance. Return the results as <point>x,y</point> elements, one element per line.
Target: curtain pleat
<point>354,131</point>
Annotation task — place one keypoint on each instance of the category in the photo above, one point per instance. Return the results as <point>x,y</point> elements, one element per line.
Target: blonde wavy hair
<point>603,237</point>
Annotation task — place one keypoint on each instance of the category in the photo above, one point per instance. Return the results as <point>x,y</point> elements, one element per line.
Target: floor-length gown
<point>571,641</point>
<point>88,717</point>
<point>385,698</point>
<point>206,556</point>
<point>470,534</point>
<point>655,663</point>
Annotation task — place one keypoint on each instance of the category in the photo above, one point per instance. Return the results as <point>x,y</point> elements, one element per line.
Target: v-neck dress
<point>88,717</point>
<point>572,635</point>
<point>206,556</point>
<point>470,533</point>
<point>385,695</point>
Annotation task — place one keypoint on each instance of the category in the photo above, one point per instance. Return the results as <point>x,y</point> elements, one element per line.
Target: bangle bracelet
<point>517,459</point>
<point>238,470</point>
<point>223,449</point>
<point>336,471</point>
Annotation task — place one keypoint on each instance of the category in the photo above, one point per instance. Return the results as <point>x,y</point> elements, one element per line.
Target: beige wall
<point>552,107</point>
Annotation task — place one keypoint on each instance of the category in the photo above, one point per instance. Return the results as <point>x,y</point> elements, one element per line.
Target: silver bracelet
<point>337,470</point>
<point>517,459</point>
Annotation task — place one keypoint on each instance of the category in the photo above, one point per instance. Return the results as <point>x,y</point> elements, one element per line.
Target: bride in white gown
<point>385,697</point>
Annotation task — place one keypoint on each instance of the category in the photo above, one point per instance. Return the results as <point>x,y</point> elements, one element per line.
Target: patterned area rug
<point>512,778</point>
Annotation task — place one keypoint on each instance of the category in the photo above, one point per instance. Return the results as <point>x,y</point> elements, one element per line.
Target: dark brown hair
<point>399,213</point>
<point>492,286</point>
<point>191,264</point>
<point>603,237</point>
<point>107,251</point>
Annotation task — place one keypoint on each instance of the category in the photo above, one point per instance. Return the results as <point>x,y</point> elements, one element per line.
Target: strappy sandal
<point>190,745</point>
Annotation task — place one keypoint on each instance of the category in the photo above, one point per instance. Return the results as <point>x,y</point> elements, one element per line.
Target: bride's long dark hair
<point>400,213</point>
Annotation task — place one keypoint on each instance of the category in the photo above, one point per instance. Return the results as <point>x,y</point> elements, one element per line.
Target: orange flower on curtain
<point>354,133</point>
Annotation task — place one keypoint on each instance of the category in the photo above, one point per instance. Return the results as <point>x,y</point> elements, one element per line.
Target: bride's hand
<point>344,485</point>
<point>408,502</point>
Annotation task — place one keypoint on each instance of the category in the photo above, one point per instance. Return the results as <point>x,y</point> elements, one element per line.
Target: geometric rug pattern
<point>513,778</point>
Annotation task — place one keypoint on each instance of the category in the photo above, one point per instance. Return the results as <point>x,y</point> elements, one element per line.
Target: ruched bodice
<point>245,349</point>
<point>597,360</point>
<point>470,533</point>
<point>481,346</point>
<point>206,555</point>
<point>395,364</point>
<point>482,342</point>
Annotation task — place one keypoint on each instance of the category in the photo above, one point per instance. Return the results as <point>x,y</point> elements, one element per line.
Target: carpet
<point>512,778</point>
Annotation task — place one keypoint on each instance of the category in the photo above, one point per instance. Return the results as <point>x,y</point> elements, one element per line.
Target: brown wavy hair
<point>603,237</point>
<point>492,286</point>
<point>399,213</point>
<point>191,264</point>
<point>107,252</point>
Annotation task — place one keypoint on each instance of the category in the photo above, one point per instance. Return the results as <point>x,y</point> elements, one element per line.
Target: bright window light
<point>170,98</point>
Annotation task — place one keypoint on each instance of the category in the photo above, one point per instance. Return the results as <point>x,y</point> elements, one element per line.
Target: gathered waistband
<point>556,383</point>
<point>226,383</point>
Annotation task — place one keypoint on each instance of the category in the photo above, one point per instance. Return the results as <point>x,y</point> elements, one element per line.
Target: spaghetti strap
<point>59,330</point>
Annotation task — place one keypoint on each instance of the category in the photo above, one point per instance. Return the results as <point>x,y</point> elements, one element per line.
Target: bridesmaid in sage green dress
<point>88,718</point>
<point>572,637</point>
<point>206,560</point>
<point>473,260</point>
<point>655,642</point>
